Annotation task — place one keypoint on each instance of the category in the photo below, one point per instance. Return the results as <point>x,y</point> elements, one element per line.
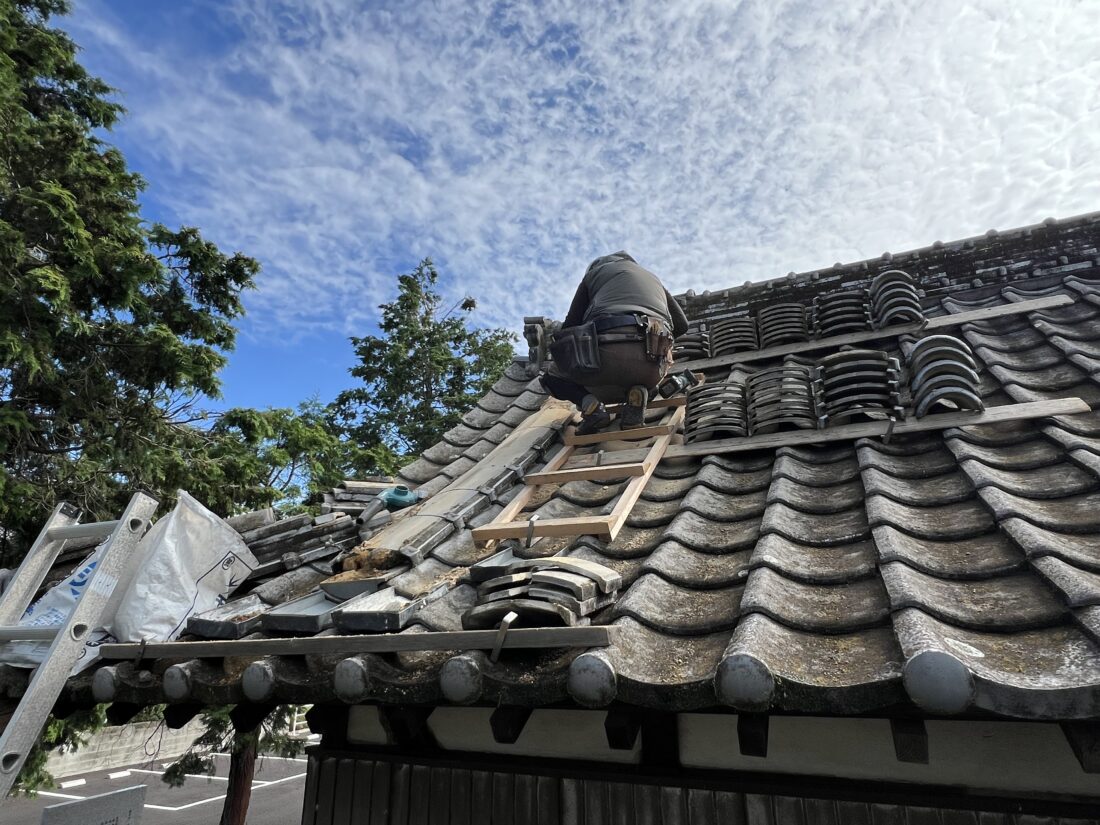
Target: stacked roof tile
<point>956,571</point>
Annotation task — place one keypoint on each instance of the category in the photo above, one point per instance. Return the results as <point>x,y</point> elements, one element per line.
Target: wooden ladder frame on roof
<point>605,527</point>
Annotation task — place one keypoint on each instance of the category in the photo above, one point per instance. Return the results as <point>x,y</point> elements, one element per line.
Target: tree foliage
<point>109,327</point>
<point>420,374</point>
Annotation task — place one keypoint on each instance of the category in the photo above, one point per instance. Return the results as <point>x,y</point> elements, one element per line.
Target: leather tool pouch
<point>577,349</point>
<point>658,340</point>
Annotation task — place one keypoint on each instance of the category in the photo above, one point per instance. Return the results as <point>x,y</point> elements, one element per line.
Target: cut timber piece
<point>636,434</point>
<point>535,637</point>
<point>600,473</point>
<point>599,526</point>
<point>939,322</point>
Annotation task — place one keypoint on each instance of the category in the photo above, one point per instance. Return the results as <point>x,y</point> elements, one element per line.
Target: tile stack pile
<point>837,313</point>
<point>715,411</point>
<point>894,299</point>
<point>780,396</point>
<point>550,592</point>
<point>693,344</point>
<point>942,373</point>
<point>857,382</point>
<point>731,335</point>
<point>782,324</point>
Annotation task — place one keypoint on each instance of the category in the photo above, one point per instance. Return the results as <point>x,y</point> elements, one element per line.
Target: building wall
<point>349,789</point>
<point>116,747</point>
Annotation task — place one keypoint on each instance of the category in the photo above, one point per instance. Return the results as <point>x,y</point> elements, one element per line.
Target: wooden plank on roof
<point>930,325</point>
<point>938,421</point>
<point>868,429</point>
<point>578,526</point>
<point>635,434</point>
<point>532,637</point>
<point>602,472</point>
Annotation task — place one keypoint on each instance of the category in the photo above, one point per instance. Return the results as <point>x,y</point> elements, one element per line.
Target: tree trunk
<point>238,792</point>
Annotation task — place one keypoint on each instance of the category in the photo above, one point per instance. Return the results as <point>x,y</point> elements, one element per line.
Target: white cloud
<point>718,142</point>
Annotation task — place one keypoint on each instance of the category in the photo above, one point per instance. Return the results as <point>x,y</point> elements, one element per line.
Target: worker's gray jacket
<point>616,285</point>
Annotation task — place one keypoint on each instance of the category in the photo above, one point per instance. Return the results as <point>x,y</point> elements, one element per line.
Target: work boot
<point>632,413</point>
<point>596,416</point>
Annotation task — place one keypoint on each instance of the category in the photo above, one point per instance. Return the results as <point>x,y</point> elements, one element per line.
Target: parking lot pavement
<point>276,794</point>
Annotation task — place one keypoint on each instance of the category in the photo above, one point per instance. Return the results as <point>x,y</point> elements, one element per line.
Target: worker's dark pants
<point>622,365</point>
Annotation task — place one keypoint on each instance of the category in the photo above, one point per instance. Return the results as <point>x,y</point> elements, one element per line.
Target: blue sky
<point>718,142</point>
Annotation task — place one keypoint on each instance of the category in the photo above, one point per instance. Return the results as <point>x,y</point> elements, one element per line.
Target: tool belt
<point>577,349</point>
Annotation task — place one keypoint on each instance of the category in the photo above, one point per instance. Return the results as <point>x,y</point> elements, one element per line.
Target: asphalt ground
<point>277,791</point>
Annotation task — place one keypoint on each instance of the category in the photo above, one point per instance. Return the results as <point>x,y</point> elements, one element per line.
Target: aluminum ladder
<point>122,536</point>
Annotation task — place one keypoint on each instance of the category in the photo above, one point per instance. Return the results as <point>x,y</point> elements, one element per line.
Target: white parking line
<point>218,798</point>
<point>188,775</point>
<point>59,795</point>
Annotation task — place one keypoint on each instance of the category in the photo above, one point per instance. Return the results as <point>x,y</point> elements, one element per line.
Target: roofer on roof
<point>615,344</point>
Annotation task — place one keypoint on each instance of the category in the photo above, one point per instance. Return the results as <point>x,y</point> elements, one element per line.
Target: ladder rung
<point>600,473</point>
<point>15,633</point>
<point>91,530</point>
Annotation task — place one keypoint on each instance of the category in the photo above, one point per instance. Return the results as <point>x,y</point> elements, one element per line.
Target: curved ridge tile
<point>628,568</point>
<point>1052,481</point>
<point>480,419</point>
<point>1025,455</point>
<point>1086,347</point>
<point>1074,514</point>
<point>1071,314</point>
<point>420,471</point>
<point>699,533</point>
<point>653,513</point>
<point>816,565</point>
<point>995,435</point>
<point>1015,601</point>
<point>585,493</point>
<point>494,404</point>
<point>535,678</point>
<point>808,499</point>
<point>1051,673</point>
<point>672,608</point>
<point>662,671</point>
<point>732,482</point>
<point>513,416</point>
<point>982,556</point>
<point>717,506</point>
<point>674,468</point>
<point>667,489</point>
<point>818,608</point>
<point>947,488</point>
<point>1086,424</point>
<point>962,520</point>
<point>1077,587</point>
<point>699,571</point>
<point>815,475</point>
<point>510,386</point>
<point>1071,332</point>
<point>1021,339</point>
<point>630,543</point>
<point>741,462</point>
<point>463,435</point>
<point>820,530</point>
<point>1039,357</point>
<point>768,665</point>
<point>918,466</point>
<point>817,454</point>
<point>1082,550</point>
<point>530,400</point>
<point>458,467</point>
